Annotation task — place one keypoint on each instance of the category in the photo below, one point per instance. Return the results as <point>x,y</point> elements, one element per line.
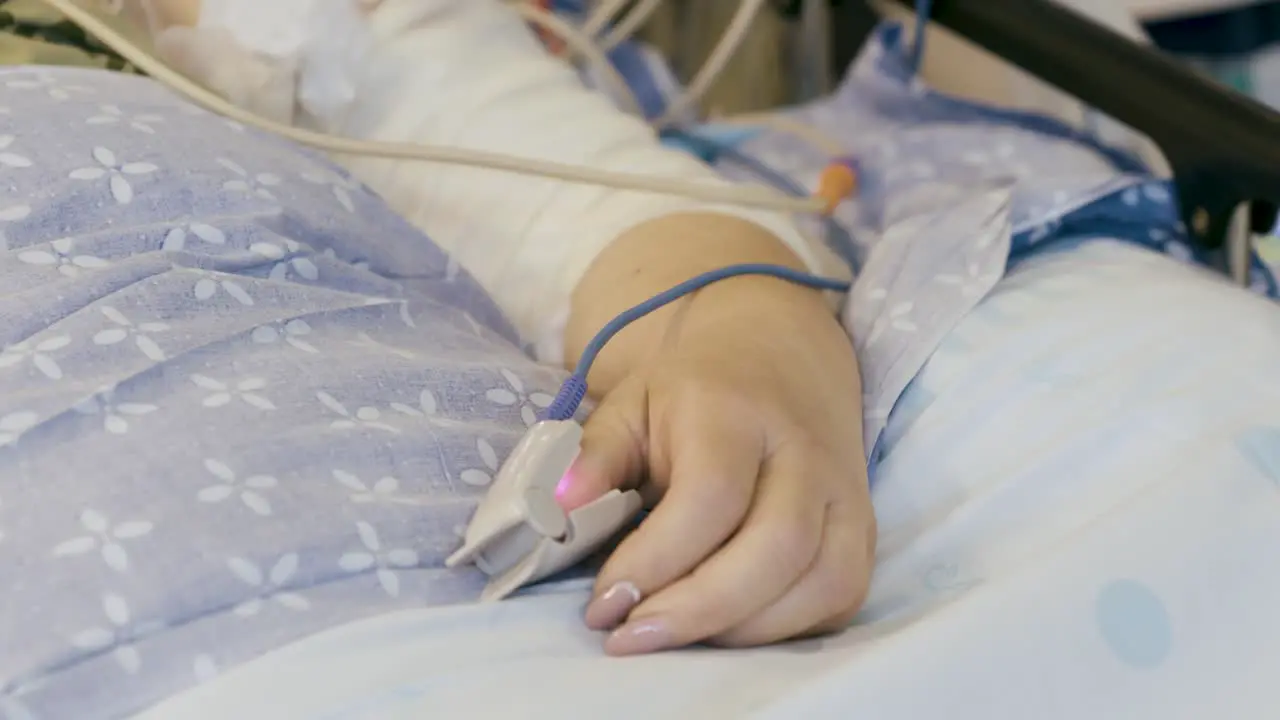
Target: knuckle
<point>845,590</point>
<point>707,394</point>
<point>735,639</point>
<point>844,585</point>
<point>837,623</point>
<point>646,567</point>
<point>731,496</point>
<point>793,545</point>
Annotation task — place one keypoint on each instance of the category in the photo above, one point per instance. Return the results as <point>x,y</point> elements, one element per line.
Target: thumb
<point>613,447</point>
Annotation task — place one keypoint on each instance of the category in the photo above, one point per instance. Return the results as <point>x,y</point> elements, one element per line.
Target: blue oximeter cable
<point>574,389</point>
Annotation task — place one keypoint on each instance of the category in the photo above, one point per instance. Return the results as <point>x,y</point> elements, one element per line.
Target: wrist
<point>662,253</point>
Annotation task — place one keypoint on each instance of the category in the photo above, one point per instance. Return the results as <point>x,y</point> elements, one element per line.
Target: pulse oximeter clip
<point>519,534</point>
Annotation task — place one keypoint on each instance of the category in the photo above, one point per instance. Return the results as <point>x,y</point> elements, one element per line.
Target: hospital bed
<point>1099,545</point>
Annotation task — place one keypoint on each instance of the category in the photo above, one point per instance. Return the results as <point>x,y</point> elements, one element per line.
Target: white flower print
<point>1041,232</point>
<point>14,213</point>
<point>877,295</point>
<point>1130,197</point>
<point>251,489</point>
<point>115,171</point>
<point>9,159</point>
<point>1174,247</point>
<point>223,393</point>
<point>897,317</point>
<point>385,490</point>
<point>38,352</point>
<point>269,585</point>
<point>358,264</point>
<point>141,333</point>
<point>340,187</point>
<point>12,705</point>
<point>364,340</point>
<point>1180,251</point>
<point>119,636</point>
<point>516,395</point>
<point>47,83</point>
<point>973,283</point>
<point>299,265</point>
<point>13,425</point>
<point>209,282</point>
<point>385,561</point>
<point>63,258</point>
<point>427,406</point>
<point>272,251</point>
<point>370,301</point>
<point>176,239</point>
<point>366,417</point>
<point>115,414</point>
<point>11,213</point>
<point>292,332</point>
<point>113,115</point>
<point>481,478</point>
<point>259,184</point>
<point>1156,193</point>
<point>104,537</point>
<point>302,267</point>
<point>204,668</point>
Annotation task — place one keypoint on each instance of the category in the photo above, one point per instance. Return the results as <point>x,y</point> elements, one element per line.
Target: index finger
<point>714,467</point>
<point>612,455</point>
<point>771,552</point>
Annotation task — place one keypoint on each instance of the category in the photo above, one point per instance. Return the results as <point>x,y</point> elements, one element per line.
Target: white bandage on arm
<point>469,73</point>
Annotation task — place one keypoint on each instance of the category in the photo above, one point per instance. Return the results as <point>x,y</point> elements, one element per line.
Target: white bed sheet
<point>1080,517</point>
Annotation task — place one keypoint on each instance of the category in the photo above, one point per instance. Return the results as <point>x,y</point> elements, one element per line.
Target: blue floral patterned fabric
<point>240,400</point>
<point>951,195</point>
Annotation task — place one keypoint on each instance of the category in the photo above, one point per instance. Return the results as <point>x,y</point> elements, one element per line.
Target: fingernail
<point>570,493</point>
<point>639,638</point>
<point>611,608</point>
<point>565,485</point>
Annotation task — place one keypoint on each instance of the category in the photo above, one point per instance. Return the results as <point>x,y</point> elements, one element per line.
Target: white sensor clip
<point>519,533</point>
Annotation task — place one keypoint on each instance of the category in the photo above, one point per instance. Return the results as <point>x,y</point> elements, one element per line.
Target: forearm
<point>470,74</point>
<point>659,254</point>
<point>528,241</point>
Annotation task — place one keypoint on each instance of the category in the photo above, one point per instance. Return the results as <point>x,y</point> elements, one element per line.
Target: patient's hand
<point>738,412</point>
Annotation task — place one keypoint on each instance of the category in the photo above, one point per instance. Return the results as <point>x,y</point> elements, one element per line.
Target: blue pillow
<point>241,401</point>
